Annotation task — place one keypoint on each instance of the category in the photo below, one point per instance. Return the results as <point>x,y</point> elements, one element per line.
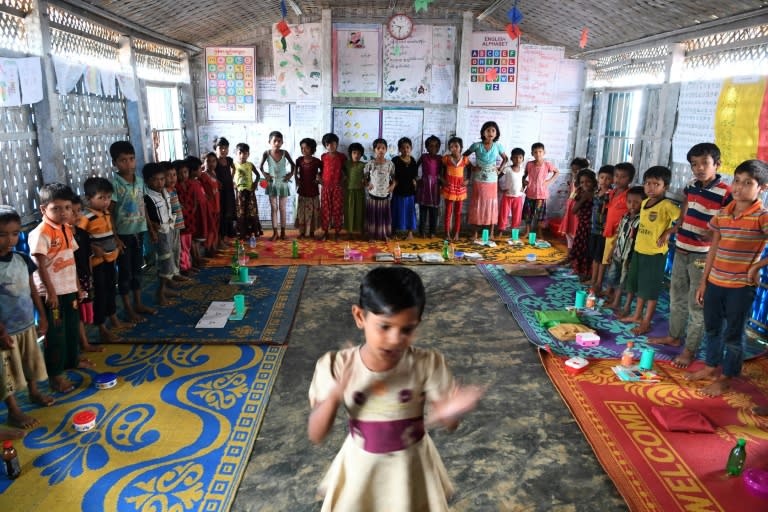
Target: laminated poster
<point>402,122</point>
<point>537,82</point>
<point>231,86</point>
<point>361,125</point>
<point>357,60</point>
<point>408,66</point>
<point>297,63</point>
<point>493,70</point>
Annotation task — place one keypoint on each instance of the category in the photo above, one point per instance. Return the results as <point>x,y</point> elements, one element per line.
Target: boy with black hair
<point>160,221</point>
<point>623,174</point>
<point>704,196</point>
<point>127,210</point>
<point>731,274</point>
<point>618,263</point>
<point>512,193</point>
<point>596,237</point>
<point>52,246</point>
<point>97,221</point>
<point>21,362</point>
<point>646,271</point>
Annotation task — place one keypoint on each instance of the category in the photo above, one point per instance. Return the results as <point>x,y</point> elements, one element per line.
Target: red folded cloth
<point>673,419</point>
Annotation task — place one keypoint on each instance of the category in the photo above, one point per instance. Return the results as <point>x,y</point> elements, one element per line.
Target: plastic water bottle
<point>295,249</point>
<point>628,357</point>
<point>347,249</point>
<point>591,299</point>
<point>736,459</point>
<point>11,460</point>
<point>445,250</point>
<point>398,253</point>
<point>252,241</point>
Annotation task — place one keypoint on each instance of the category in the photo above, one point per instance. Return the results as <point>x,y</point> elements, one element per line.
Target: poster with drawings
<point>537,74</point>
<point>408,66</point>
<point>356,60</point>
<point>357,125</point>
<point>443,64</point>
<point>402,122</point>
<point>297,62</point>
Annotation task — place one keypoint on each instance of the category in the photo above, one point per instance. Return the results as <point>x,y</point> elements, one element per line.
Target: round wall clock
<point>400,26</point>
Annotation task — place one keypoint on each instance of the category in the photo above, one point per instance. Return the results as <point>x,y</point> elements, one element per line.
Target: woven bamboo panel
<point>12,33</point>
<point>610,22</point>
<point>20,177</point>
<point>89,125</point>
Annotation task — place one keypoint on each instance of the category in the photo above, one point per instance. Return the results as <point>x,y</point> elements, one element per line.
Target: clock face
<point>400,26</point>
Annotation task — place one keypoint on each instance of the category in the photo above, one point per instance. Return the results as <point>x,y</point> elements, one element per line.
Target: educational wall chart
<point>493,69</point>
<point>407,68</point>
<point>569,85</point>
<point>297,63</point>
<point>402,122</point>
<point>361,125</point>
<point>440,122</point>
<point>357,60</point>
<point>231,89</point>
<point>537,76</point>
<point>733,113</point>
<point>443,64</point>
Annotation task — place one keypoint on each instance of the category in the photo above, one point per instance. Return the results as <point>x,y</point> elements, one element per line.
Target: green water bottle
<point>235,266</point>
<point>445,250</point>
<point>736,459</point>
<point>295,249</point>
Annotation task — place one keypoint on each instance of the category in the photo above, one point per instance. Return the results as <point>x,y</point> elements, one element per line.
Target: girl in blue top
<point>489,160</point>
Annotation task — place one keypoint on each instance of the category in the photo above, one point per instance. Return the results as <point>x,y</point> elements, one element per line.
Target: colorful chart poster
<point>231,87</point>
<point>408,66</point>
<point>10,89</point>
<point>361,125</point>
<point>736,121</point>
<point>357,60</point>
<point>402,122</point>
<point>297,60</point>
<point>537,77</point>
<point>493,70</point>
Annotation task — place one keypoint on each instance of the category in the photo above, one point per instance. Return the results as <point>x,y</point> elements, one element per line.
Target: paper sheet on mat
<point>216,315</point>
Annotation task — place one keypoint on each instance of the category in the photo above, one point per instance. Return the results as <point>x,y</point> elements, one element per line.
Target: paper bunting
<point>283,10</point>
<point>584,36</point>
<point>514,15</point>
<point>421,5</point>
<point>513,31</point>
<point>283,28</point>
<point>263,183</point>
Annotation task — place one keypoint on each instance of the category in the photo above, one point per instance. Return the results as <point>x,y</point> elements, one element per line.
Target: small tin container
<point>105,380</point>
<point>84,421</point>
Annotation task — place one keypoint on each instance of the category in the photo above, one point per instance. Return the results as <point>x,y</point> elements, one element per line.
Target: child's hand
<point>287,179</point>
<point>461,401</point>
<point>42,325</point>
<point>663,239</point>
<point>82,295</point>
<point>120,244</point>
<point>6,342</point>
<point>52,301</point>
<point>97,251</point>
<point>153,236</point>
<point>753,275</point>
<point>466,182</point>
<point>700,293</point>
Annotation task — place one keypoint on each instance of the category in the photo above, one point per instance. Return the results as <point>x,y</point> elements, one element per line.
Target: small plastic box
<point>576,365</point>
<point>587,339</point>
<point>84,421</point>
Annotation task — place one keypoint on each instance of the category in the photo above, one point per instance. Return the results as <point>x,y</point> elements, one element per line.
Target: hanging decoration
<point>515,17</point>
<point>584,36</point>
<point>421,5</point>
<point>282,25</point>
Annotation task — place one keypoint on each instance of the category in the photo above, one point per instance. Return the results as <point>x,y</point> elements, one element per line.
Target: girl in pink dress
<point>570,222</point>
<point>388,460</point>
<point>428,188</point>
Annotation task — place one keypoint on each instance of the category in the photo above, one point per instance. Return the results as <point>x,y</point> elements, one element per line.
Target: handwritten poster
<point>266,88</point>
<point>696,109</point>
<point>402,122</point>
<point>306,121</point>
<point>440,122</point>
<point>553,133</point>
<point>443,64</point>
<point>10,89</point>
<point>297,62</point>
<point>357,60</point>
<point>30,79</point>
<point>408,66</point>
<point>357,125</point>
<point>523,128</point>
<point>493,69</point>
<point>231,87</point>
<point>538,74</point>
<point>569,85</point>
<point>475,119</point>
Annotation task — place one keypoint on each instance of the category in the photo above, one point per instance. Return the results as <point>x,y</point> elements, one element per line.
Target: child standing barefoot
<point>539,174</point>
<point>308,168</point>
<point>388,461</point>
<point>354,193</point>
<point>278,189</point>
<point>379,179</point>
<point>484,204</point>
<point>404,194</point>
<point>582,207</point>
<point>332,198</point>
<point>428,187</point>
<point>570,222</point>
<point>454,186</point>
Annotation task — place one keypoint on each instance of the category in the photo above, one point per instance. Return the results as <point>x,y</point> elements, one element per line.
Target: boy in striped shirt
<point>704,196</point>
<point>727,288</point>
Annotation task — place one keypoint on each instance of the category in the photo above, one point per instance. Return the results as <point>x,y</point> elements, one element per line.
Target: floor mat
<point>174,434</point>
<point>270,302</point>
<point>658,470</point>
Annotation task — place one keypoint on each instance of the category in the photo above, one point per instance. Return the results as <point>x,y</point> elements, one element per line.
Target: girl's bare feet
<point>665,340</point>
<point>144,310</point>
<point>641,329</point>
<point>273,237</point>
<point>684,359</point>
<point>87,347</point>
<point>84,362</point>
<point>630,319</point>
<point>20,420</point>
<point>36,397</point>
<point>11,434</point>
<point>717,388</point>
<point>181,279</point>
<point>706,373</point>
<point>61,384</point>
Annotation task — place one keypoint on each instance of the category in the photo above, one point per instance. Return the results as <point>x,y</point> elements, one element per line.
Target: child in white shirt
<point>512,193</point>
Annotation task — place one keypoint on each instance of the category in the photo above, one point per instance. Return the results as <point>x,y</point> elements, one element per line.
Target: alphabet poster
<point>297,62</point>
<point>493,70</point>
<point>231,88</point>
<point>357,60</point>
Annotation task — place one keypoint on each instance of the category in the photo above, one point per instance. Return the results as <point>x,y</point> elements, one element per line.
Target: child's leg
<point>448,213</point>
<point>16,417</point>
<point>715,298</point>
<point>137,259</point>
<point>457,219</point>
<point>56,350</point>
<point>637,316</point>
<point>645,323</point>
<point>432,212</point>
<point>599,280</point>
<point>273,205</point>
<point>422,219</point>
<point>283,200</point>
<point>85,346</point>
<point>338,211</point>
<point>242,213</point>
<point>627,305</point>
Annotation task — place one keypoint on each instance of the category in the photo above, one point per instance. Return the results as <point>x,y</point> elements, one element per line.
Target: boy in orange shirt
<point>623,174</point>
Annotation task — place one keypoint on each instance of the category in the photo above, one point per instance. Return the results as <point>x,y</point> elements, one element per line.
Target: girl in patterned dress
<point>454,189</point>
<point>570,222</point>
<point>428,188</point>
<point>212,189</point>
<point>484,204</point>
<point>354,193</point>
<point>308,168</point>
<point>388,460</point>
<point>582,207</point>
<point>278,188</point>
<point>379,180</point>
